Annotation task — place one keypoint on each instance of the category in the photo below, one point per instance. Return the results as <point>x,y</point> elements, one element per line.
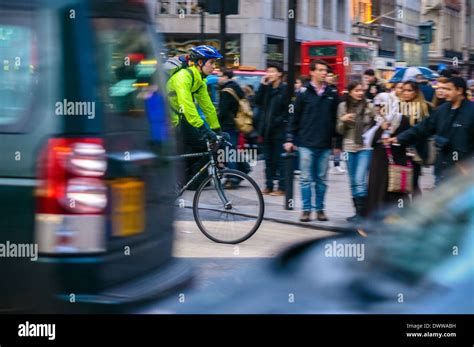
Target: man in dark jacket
<point>452,125</point>
<point>227,111</point>
<point>314,122</point>
<point>271,98</point>
<point>228,105</point>
<point>373,85</point>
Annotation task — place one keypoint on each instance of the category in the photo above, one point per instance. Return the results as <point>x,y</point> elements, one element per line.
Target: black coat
<point>378,196</point>
<point>314,120</point>
<point>228,105</point>
<point>273,110</point>
<point>378,87</point>
<point>458,130</point>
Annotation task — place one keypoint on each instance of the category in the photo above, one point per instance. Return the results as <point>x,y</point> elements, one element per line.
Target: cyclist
<point>185,87</point>
<point>188,85</point>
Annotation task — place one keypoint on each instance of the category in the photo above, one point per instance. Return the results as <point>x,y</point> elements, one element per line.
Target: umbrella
<point>409,73</point>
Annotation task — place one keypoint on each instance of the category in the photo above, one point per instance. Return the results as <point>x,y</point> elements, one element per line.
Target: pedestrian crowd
<point>386,132</point>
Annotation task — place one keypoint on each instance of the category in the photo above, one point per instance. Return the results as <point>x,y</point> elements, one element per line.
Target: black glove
<point>225,135</point>
<point>207,133</point>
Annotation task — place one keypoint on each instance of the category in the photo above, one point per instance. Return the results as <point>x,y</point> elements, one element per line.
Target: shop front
<point>177,44</point>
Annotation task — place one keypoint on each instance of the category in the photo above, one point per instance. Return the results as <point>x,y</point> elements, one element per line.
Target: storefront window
<point>181,44</point>
<point>275,50</point>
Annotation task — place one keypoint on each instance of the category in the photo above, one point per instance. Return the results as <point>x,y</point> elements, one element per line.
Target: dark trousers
<point>274,165</point>
<point>416,179</point>
<point>190,141</point>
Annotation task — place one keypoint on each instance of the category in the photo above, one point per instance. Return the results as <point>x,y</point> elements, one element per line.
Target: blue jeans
<point>358,167</point>
<point>314,163</point>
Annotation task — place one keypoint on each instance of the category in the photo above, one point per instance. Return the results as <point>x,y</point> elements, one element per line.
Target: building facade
<point>256,29</point>
<point>452,44</point>
<point>363,28</point>
<point>374,23</point>
<point>408,49</point>
<point>469,40</point>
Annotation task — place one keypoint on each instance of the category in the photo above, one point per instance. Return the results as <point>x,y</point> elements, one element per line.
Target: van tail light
<point>70,172</point>
<point>85,195</point>
<point>87,159</point>
<point>72,196</point>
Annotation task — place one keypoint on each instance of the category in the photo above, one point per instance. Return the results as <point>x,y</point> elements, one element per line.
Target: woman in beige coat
<point>355,122</point>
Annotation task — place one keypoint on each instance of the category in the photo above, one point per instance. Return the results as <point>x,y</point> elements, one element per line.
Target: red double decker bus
<point>348,60</point>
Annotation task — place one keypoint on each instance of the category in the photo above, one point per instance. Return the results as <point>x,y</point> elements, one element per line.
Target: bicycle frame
<point>181,191</point>
<point>217,182</point>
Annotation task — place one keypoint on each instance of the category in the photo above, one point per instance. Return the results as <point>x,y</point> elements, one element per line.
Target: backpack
<point>174,64</point>
<point>244,116</point>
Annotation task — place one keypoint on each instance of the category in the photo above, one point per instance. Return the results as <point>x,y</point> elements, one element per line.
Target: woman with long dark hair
<point>356,117</point>
<point>416,108</point>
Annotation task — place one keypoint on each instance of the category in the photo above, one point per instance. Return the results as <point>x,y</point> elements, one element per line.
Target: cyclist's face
<point>208,67</point>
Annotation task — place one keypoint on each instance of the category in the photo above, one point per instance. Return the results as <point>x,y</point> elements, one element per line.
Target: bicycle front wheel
<point>229,207</point>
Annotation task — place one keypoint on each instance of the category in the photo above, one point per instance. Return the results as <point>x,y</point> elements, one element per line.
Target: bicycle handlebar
<point>222,139</point>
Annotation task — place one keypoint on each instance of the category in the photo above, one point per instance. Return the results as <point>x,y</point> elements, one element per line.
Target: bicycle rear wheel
<point>225,213</point>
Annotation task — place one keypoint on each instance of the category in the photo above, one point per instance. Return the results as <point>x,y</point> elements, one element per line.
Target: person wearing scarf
<point>356,122</point>
<point>390,122</point>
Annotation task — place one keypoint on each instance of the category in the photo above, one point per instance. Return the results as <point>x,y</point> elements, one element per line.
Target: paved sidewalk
<point>338,200</point>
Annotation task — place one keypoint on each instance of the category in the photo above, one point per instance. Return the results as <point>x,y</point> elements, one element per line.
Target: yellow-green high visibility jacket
<point>185,86</point>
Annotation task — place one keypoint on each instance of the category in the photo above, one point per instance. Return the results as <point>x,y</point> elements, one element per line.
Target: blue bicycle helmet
<point>204,52</point>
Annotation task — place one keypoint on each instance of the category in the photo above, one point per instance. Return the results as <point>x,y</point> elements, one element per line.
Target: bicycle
<point>214,199</point>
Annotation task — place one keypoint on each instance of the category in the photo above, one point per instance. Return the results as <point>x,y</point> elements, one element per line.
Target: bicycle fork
<point>218,184</point>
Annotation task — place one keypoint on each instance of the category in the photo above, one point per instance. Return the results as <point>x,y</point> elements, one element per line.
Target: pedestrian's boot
<point>354,217</point>
<point>359,203</point>
<point>321,216</point>
<point>363,207</point>
<point>305,216</point>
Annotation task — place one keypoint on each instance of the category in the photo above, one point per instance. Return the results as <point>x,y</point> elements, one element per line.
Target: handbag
<point>400,177</point>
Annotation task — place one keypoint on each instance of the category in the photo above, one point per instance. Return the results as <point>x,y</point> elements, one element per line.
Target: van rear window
<point>18,70</point>
<point>128,68</point>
